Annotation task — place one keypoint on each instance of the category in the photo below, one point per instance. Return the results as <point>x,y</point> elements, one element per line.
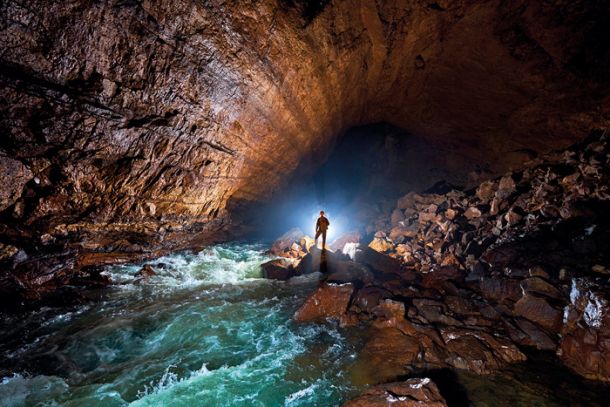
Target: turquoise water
<point>206,331</point>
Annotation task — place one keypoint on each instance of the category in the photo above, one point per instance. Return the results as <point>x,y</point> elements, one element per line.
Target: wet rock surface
<point>144,274</point>
<point>436,302</point>
<point>410,393</point>
<point>279,269</point>
<point>585,335</point>
<point>131,129</point>
<point>329,301</point>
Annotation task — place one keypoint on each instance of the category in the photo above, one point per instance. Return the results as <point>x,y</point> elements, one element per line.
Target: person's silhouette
<point>321,228</point>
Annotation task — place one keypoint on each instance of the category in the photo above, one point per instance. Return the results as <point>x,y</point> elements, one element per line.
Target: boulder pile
<point>298,255</point>
<point>427,231</point>
<point>293,244</point>
<point>465,279</point>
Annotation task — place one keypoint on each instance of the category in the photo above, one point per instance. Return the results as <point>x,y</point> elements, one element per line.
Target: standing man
<point>321,228</point>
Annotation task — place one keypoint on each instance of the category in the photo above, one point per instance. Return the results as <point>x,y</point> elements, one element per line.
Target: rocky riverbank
<point>469,279</point>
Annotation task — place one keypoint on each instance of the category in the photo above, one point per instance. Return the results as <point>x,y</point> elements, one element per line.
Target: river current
<point>205,331</point>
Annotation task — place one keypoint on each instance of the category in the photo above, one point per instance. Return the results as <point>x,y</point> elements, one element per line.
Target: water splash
<point>222,264</point>
<point>206,330</point>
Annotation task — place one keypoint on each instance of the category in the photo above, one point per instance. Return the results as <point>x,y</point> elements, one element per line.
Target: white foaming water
<point>223,264</point>
<point>206,330</point>
<point>297,395</point>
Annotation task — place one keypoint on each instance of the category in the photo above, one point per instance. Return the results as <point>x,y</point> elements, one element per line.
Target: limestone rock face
<point>131,128</point>
<point>18,174</point>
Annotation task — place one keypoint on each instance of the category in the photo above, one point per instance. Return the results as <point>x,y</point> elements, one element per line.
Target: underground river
<point>208,331</point>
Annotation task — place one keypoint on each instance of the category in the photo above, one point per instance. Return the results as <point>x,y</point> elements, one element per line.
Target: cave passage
<point>162,166</point>
<point>356,181</point>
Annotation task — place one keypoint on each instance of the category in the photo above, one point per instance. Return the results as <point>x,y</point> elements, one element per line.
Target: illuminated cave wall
<point>130,127</point>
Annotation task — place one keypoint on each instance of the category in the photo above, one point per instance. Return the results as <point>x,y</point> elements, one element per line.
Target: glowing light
<point>301,209</point>
<point>307,223</point>
<point>350,249</point>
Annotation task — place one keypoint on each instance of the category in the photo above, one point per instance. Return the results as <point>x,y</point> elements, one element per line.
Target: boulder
<point>486,191</point>
<point>307,243</point>
<point>549,210</point>
<point>434,312</point>
<point>278,269</point>
<point>284,242</point>
<point>7,251</point>
<point>406,201</point>
<point>19,174</point>
<point>495,207</point>
<point>146,271</point>
<point>307,264</point>
<point>472,213</point>
<point>381,244</point>
<point>428,217</point>
<point>461,305</point>
<point>478,351</point>
<point>539,286</point>
<point>367,298</point>
<point>538,271</point>
<point>399,233</point>
<point>349,271</point>
<point>390,310</point>
<point>526,333</point>
<point>415,392</point>
<point>319,260</point>
<point>389,353</point>
<point>144,274</point>
<point>500,289</point>
<point>506,187</point>
<point>585,335</point>
<point>513,216</point>
<point>451,213</point>
<point>339,243</point>
<point>329,301</point>
<point>538,310</point>
<point>445,273</point>
<point>397,217</point>
<point>378,261</point>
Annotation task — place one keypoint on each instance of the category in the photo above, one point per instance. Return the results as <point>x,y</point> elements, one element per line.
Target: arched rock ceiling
<point>153,119</point>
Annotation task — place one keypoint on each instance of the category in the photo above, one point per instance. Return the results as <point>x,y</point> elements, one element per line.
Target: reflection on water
<point>207,331</point>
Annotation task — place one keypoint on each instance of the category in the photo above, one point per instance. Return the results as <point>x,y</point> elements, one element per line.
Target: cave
<point>164,166</point>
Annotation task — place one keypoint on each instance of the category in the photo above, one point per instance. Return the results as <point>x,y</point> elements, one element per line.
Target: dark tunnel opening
<point>364,173</point>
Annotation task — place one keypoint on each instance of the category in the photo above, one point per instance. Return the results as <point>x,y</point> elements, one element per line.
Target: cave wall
<point>134,126</point>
